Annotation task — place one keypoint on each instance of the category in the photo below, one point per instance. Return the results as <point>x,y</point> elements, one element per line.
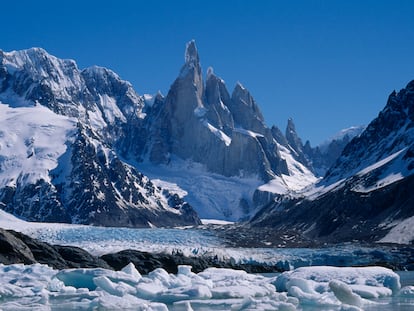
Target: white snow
<point>313,192</point>
<point>219,133</point>
<point>299,179</point>
<point>216,222</point>
<point>213,196</point>
<point>392,169</point>
<point>247,132</point>
<point>277,185</point>
<point>31,141</point>
<point>171,187</point>
<point>380,163</point>
<point>111,109</point>
<point>149,99</point>
<point>63,76</point>
<point>401,233</point>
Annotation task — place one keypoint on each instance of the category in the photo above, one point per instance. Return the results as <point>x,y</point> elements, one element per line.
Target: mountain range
<point>82,146</point>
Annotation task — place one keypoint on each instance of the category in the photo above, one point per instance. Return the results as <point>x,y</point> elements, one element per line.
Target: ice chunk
<point>161,276</point>
<point>334,286</point>
<point>344,293</point>
<point>350,308</point>
<point>251,303</point>
<point>371,292</point>
<point>147,289</point>
<point>407,291</point>
<point>126,302</point>
<point>369,276</point>
<point>132,271</point>
<point>313,298</point>
<point>185,270</point>
<point>180,293</point>
<point>118,289</point>
<point>84,278</point>
<point>80,278</point>
<point>183,306</point>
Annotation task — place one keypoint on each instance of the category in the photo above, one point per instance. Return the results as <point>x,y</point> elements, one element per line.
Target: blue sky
<point>327,64</point>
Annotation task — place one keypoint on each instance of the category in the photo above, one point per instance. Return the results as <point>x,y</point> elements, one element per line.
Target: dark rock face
<point>342,215</point>
<point>19,248</point>
<point>147,262</point>
<point>13,250</point>
<point>37,202</point>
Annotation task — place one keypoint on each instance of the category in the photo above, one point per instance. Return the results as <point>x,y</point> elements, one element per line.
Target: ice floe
<point>329,288</point>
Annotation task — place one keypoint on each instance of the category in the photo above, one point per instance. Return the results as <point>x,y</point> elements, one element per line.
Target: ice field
<point>319,287</point>
<point>38,287</point>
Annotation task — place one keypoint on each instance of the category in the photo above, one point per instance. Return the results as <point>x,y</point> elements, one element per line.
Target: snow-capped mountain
<point>199,141</point>
<point>367,194</point>
<point>58,162</point>
<point>203,123</point>
<point>216,139</point>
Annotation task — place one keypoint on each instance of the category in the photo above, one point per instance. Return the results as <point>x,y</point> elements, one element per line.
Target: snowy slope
<point>32,139</point>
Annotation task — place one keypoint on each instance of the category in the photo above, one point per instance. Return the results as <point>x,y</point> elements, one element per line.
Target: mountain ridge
<point>365,194</point>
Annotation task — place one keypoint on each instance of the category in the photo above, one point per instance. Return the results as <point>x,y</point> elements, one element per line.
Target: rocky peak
<point>243,96</point>
<point>190,75</point>
<point>292,136</point>
<point>41,65</point>
<point>191,53</point>
<point>217,101</point>
<point>246,112</point>
<point>278,136</point>
<point>192,65</point>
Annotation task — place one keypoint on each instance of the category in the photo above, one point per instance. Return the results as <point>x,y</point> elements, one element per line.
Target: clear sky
<point>327,64</point>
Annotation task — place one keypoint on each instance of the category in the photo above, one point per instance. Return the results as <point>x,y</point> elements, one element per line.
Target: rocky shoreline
<point>16,247</point>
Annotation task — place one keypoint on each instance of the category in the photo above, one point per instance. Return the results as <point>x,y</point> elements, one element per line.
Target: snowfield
<point>31,141</point>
